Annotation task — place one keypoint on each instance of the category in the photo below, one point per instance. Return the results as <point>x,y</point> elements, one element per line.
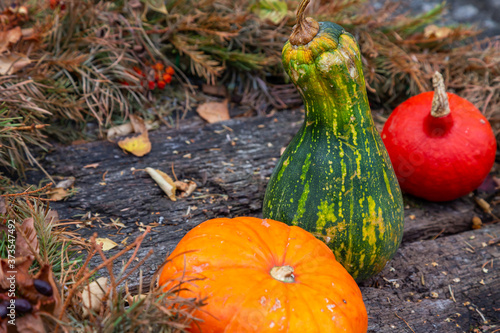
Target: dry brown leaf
<point>107,244</point>
<point>30,239</point>
<point>120,130</point>
<point>164,181</point>
<point>214,111</point>
<point>125,129</point>
<point>138,124</point>
<point>9,37</point>
<point>433,31</point>
<point>187,187</point>
<point>93,294</point>
<point>51,304</point>
<point>21,266</point>
<point>137,145</point>
<point>11,63</point>
<point>181,186</point>
<point>57,194</point>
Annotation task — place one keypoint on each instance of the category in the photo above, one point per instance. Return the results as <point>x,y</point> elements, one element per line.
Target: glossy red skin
<point>439,159</point>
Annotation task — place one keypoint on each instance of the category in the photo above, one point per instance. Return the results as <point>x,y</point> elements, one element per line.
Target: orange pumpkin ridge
<point>242,263</point>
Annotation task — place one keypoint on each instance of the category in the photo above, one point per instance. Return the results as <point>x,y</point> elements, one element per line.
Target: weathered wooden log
<point>231,163</point>
<point>450,284</point>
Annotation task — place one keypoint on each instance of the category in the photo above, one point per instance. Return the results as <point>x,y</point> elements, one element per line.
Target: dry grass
<point>63,259</point>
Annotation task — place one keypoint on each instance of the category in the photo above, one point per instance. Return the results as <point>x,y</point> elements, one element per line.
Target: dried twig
<point>405,322</point>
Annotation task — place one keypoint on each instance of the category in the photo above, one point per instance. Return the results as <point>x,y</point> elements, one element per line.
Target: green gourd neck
<point>328,74</point>
<point>340,108</point>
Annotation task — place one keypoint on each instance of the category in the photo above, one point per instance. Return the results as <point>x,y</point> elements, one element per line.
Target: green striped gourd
<point>335,178</point>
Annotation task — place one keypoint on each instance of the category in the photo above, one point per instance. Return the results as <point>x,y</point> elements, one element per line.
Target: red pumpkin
<point>264,276</point>
<point>440,144</point>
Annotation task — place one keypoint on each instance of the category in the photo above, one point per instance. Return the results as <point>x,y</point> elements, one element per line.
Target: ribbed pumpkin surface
<point>233,259</point>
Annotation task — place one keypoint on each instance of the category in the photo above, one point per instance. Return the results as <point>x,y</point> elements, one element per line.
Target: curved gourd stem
<point>305,29</point>
<point>440,105</point>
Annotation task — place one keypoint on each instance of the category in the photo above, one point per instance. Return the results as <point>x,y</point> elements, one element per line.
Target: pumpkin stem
<point>282,273</point>
<point>305,29</point>
<point>440,106</point>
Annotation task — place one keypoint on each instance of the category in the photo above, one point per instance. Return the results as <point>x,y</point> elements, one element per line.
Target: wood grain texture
<point>231,168</point>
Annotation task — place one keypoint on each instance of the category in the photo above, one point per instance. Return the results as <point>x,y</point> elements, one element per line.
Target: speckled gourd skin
<point>335,178</point>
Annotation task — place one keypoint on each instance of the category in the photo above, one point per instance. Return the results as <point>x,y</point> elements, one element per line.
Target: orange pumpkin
<point>264,276</point>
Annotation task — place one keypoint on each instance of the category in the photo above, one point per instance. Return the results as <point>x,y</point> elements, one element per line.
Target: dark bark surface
<point>231,162</point>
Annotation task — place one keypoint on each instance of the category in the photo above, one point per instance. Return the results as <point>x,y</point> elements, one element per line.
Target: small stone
<point>495,3</point>
<point>464,13</point>
<point>456,280</point>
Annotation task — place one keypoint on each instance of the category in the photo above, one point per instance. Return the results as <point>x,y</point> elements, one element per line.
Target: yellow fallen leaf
<point>93,294</point>
<point>164,181</point>
<point>214,111</point>
<point>137,145</point>
<point>107,244</point>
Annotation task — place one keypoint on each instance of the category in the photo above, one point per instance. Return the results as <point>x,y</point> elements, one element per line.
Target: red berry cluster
<point>162,78</point>
<point>156,76</point>
<point>57,3</point>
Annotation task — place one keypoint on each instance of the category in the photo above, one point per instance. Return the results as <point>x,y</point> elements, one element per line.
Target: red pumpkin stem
<point>305,29</point>
<point>440,106</point>
<point>282,273</point>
